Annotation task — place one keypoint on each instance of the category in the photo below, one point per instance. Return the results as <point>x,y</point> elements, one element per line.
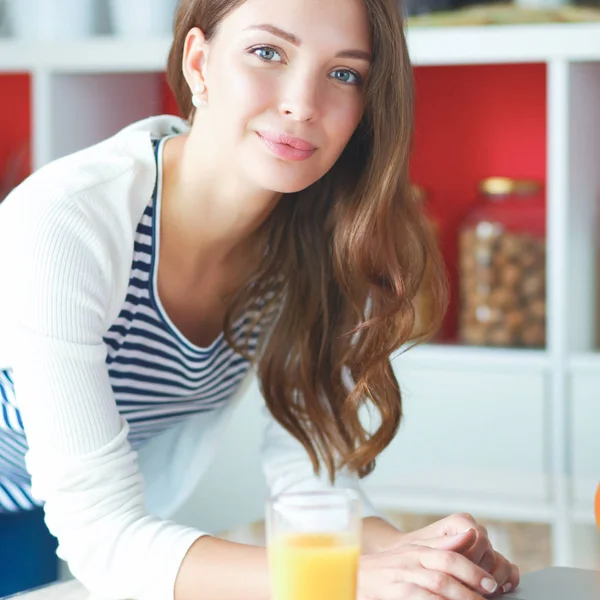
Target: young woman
<point>145,274</point>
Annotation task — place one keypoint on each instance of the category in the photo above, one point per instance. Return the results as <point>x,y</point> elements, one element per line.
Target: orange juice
<point>313,567</point>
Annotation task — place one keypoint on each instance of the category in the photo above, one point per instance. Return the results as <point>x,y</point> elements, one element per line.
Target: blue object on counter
<point>27,552</point>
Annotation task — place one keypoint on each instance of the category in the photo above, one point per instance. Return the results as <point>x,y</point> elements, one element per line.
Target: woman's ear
<point>195,53</point>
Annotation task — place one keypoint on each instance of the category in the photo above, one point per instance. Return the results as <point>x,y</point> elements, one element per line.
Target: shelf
<point>428,46</point>
<point>494,359</point>
<point>102,54</point>
<point>504,44</point>
<point>587,362</point>
<point>499,114</point>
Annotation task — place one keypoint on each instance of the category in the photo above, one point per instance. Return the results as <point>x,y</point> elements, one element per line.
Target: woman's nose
<point>300,99</point>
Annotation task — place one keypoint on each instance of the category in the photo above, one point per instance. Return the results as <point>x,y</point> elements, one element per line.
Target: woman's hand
<point>480,552</point>
<point>436,569</point>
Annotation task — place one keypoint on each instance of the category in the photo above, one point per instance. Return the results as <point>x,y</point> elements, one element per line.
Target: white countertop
<point>572,579</point>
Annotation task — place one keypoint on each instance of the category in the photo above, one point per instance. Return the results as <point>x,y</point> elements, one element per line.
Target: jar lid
<point>497,186</point>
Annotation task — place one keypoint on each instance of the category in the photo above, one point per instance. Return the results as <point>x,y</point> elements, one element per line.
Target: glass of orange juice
<point>313,541</point>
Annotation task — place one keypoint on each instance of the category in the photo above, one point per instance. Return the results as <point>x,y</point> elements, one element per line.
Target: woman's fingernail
<point>489,585</point>
<point>506,588</point>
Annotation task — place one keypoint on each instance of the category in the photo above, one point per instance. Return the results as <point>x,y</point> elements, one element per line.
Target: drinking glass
<point>313,541</point>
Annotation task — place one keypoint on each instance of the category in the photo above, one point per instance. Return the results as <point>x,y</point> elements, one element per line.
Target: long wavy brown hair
<point>344,261</point>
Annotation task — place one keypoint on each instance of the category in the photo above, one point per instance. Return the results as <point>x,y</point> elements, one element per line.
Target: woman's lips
<point>287,147</point>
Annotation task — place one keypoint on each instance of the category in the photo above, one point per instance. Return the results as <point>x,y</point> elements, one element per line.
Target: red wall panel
<point>474,122</point>
<point>15,123</point>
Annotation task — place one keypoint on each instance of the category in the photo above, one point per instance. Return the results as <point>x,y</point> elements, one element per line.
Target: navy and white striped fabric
<point>157,376</point>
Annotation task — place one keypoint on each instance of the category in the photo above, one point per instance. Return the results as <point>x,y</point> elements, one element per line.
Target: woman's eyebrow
<point>295,40</point>
<point>290,37</point>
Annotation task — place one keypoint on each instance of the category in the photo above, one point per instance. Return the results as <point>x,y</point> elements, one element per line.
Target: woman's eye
<point>347,76</point>
<point>267,53</point>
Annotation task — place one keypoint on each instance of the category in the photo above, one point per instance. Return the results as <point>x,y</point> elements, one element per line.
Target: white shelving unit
<point>506,434</point>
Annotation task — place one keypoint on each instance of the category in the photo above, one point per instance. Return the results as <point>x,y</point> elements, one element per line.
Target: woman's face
<point>285,86</point>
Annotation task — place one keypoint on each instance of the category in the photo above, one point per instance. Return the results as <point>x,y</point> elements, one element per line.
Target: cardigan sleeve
<point>81,463</point>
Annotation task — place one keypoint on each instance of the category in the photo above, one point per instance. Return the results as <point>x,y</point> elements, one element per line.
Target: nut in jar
<point>502,266</point>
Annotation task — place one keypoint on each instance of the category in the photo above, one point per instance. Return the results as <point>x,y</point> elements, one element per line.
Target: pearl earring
<point>197,99</point>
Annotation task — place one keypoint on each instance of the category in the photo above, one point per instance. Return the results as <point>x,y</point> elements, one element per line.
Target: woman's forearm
<point>222,570</point>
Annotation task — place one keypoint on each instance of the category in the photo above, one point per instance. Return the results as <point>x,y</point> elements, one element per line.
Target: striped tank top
<point>157,376</point>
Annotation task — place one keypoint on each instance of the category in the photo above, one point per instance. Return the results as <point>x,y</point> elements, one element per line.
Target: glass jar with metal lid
<point>502,266</point>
